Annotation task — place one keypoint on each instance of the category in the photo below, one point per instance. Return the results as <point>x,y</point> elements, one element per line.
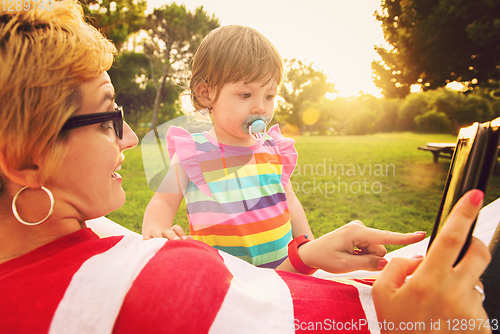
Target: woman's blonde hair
<point>45,55</point>
<point>234,53</point>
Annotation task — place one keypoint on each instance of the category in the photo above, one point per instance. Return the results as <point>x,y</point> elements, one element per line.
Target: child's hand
<point>174,233</point>
<point>353,247</point>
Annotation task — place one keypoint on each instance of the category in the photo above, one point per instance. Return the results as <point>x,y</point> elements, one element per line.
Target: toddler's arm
<point>298,218</point>
<point>162,208</point>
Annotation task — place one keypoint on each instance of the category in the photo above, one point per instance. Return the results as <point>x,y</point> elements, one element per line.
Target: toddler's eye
<point>245,95</point>
<point>270,97</point>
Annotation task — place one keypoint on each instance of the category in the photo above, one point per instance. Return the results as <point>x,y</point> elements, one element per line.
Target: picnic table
<point>443,150</point>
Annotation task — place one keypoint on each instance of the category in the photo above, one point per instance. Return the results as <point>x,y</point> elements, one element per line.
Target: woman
<point>61,143</point>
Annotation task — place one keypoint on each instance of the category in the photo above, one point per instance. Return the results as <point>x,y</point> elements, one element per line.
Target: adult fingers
<point>474,261</point>
<point>393,276</point>
<point>179,231</point>
<point>447,245</point>
<point>479,291</point>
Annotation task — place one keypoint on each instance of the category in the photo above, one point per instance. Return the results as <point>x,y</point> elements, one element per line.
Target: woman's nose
<point>129,139</point>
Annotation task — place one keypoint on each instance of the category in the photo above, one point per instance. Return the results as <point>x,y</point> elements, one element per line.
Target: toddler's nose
<point>258,109</point>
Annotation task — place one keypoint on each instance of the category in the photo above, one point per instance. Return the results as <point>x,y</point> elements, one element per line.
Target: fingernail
<point>420,232</point>
<point>417,257</point>
<point>176,238</point>
<point>476,197</point>
<point>183,237</point>
<point>381,264</point>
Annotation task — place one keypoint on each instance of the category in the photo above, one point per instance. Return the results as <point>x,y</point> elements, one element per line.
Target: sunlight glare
<point>338,37</point>
<point>415,88</point>
<point>331,96</point>
<point>455,86</point>
<point>186,105</point>
<point>310,116</point>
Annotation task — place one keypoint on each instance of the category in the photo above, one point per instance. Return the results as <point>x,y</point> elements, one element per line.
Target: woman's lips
<point>115,175</point>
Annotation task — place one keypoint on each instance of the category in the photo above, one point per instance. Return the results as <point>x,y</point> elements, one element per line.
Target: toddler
<point>235,177</point>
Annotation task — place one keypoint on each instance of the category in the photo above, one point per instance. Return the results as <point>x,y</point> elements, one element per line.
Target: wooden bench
<point>443,150</point>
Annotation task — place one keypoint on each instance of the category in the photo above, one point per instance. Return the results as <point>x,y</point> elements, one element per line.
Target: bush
<point>433,122</point>
<point>474,109</point>
<point>388,115</point>
<point>495,109</point>
<point>413,106</point>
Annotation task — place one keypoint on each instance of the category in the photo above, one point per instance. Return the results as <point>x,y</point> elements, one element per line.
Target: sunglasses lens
<point>118,128</point>
<point>118,122</point>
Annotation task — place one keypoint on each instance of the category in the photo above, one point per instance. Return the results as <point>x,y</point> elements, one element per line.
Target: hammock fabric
<point>85,284</point>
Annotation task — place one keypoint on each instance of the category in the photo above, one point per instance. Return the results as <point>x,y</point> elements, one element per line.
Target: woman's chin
<point>113,205</point>
<point>119,200</point>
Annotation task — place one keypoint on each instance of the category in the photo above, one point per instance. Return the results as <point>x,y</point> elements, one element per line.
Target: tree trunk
<point>159,90</point>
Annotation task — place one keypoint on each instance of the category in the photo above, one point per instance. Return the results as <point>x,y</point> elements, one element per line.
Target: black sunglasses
<point>83,120</point>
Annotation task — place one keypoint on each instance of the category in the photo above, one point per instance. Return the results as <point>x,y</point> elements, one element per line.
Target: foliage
<point>438,111</point>
<point>413,105</point>
<point>326,118</point>
<point>438,41</point>
<point>356,115</point>
<point>433,122</point>
<point>495,109</point>
<point>128,75</point>
<point>117,19</point>
<point>476,108</point>
<point>303,87</point>
<point>388,115</point>
<point>134,91</point>
<point>174,35</point>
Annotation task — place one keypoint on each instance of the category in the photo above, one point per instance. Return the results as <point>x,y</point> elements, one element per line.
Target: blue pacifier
<point>256,127</point>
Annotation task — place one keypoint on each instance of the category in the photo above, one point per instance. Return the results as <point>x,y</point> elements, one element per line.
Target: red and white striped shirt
<point>84,284</point>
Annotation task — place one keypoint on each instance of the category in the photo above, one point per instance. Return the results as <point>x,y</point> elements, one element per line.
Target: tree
<point>116,19</point>
<point>174,35</point>
<point>357,115</point>
<point>433,122</point>
<point>130,75</point>
<point>414,105</point>
<point>388,115</point>
<point>438,41</point>
<point>303,86</point>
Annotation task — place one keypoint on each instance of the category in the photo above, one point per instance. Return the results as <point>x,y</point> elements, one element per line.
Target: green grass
<point>385,182</point>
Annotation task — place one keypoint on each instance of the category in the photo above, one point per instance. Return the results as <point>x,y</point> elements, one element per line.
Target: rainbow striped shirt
<point>235,198</point>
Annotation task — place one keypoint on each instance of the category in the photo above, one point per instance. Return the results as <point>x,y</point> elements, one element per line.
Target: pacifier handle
<point>259,125</point>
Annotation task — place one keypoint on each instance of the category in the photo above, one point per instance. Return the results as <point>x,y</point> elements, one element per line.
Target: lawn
<point>382,180</point>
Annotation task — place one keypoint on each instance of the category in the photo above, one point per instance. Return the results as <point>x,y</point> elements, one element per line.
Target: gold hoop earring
<point>18,217</point>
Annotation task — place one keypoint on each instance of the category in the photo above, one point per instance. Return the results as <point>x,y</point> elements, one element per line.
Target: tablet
<point>471,167</point>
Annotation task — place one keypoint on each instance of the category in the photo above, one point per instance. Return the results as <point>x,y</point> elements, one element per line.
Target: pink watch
<point>293,255</point>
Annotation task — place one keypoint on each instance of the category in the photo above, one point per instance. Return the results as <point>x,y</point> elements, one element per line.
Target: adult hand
<point>174,233</point>
<point>438,296</point>
<point>353,247</point>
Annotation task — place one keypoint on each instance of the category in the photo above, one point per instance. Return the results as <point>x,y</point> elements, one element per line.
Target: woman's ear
<point>24,177</point>
<point>204,94</point>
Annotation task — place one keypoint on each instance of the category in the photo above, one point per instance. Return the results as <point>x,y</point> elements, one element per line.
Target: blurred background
<point>354,67</point>
<point>368,81</point>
